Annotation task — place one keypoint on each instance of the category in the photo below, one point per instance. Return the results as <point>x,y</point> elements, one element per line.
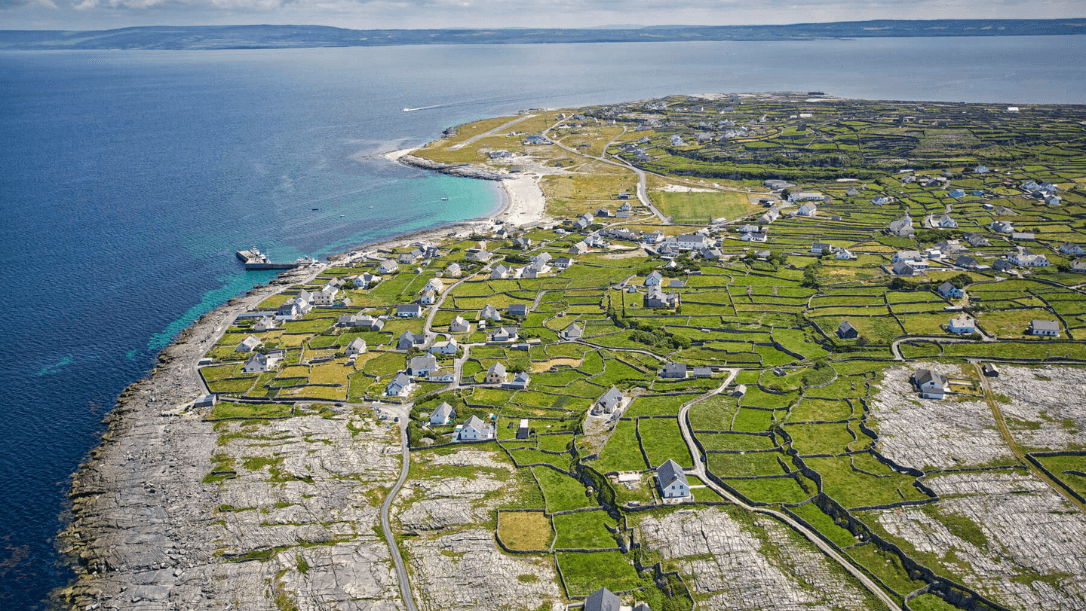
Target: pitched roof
<point>1045,325</point>
<point>611,397</point>
<point>443,411</point>
<point>474,422</point>
<point>602,600</point>
<point>496,368</point>
<point>670,471</point>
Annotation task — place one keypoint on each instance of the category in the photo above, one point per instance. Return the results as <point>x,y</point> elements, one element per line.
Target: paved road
<point>496,130</point>
<point>401,571</point>
<point>699,470</point>
<point>642,193</point>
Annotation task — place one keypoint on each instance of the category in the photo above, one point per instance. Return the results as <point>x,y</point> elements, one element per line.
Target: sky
<point>380,14</point>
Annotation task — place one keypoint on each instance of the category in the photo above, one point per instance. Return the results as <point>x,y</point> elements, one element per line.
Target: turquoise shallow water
<point>128,180</point>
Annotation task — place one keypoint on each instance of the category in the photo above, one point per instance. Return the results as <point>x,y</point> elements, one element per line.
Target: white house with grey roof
<point>932,385</point>
<point>248,344</point>
<point>399,386</point>
<point>672,480</point>
<point>262,363</point>
<point>442,414</point>
<point>962,324</point>
<point>572,332</point>
<point>459,325</point>
<point>356,347</point>
<point>609,402</point>
<point>474,429</point>
<point>1045,328</point>
<point>422,365</point>
<point>490,312</point>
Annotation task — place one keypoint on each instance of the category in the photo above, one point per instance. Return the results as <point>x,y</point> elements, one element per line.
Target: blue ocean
<point>129,178</point>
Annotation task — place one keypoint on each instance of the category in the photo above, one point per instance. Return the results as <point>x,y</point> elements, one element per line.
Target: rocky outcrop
<point>294,518</point>
<point>465,170</point>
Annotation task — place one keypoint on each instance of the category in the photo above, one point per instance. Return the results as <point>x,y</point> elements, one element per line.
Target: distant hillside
<point>290,36</point>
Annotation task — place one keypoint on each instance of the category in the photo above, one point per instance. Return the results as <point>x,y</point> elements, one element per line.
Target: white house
<point>572,332</point>
<point>607,403</point>
<point>673,483</point>
<point>262,363</point>
<point>1001,227</point>
<point>459,325</point>
<point>932,385</point>
<point>399,386</point>
<point>443,414</point>
<point>962,324</point>
<point>446,347</point>
<point>356,347</point>
<point>248,344</point>
<point>579,248</point>
<point>946,222</point>
<point>1046,328</point>
<point>388,266</point>
<point>266,323</point>
<point>429,297</point>
<point>519,382</point>
<point>654,279</point>
<point>422,365</point>
<point>453,270</point>
<point>475,429</point>
<point>496,374</point>
<point>807,209</point>
<point>490,312</point>
<point>409,310</point>
<point>1026,258</point>
<point>1069,248</point>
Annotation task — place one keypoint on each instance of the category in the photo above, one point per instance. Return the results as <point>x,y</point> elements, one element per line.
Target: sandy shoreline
<point>521,203</point>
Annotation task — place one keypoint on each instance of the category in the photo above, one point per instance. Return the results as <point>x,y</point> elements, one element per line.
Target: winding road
<point>699,470</point>
<point>394,550</point>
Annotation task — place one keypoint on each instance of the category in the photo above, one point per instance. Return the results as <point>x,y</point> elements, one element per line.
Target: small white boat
<point>444,199</point>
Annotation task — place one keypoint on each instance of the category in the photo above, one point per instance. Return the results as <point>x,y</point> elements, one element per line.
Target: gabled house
<point>266,323</point>
<point>602,600</point>
<point>496,374</point>
<point>1023,236</point>
<point>966,262</point>
<point>1001,265</point>
<point>902,228</point>
<point>852,192</point>
<point>429,297</point>
<point>843,253</point>
<point>1079,266</point>
<point>579,248</point>
<point>356,347</point>
<point>821,248</point>
<point>453,270</point>
<point>518,309</point>
<point>411,340</point>
<point>519,382</point>
<point>945,222</point>
<point>1069,248</point>
<point>459,325</point>
<point>447,347</point>
<point>949,291</point>
<point>672,480</point>
<point>388,266</point>
<point>1025,258</point>
<point>607,403</point>
<point>901,268</point>
<point>1001,227</point>
<point>399,386</point>
<point>474,429</point>
<point>499,273</point>
<point>930,384</point>
<point>957,193</point>
<point>422,365</point>
<point>441,375</point>
<point>504,334</point>
<point>976,240</point>
<point>572,332</point>
<point>361,320</point>
<point>522,243</point>
<point>657,298</point>
<point>365,280</point>
<point>754,237</point>
<point>1045,328</point>
<point>909,256</point>
<point>442,414</point>
<point>654,279</point>
<point>962,324</point>
<point>409,310</point>
<point>248,344</point>
<point>489,312</point>
<point>563,263</point>
<point>263,363</point>
<point>674,371</point>
<point>654,237</point>
<point>845,330</point>
<point>807,209</point>
<point>880,201</point>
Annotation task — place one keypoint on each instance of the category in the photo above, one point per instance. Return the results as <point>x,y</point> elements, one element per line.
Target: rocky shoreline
<point>148,532</point>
